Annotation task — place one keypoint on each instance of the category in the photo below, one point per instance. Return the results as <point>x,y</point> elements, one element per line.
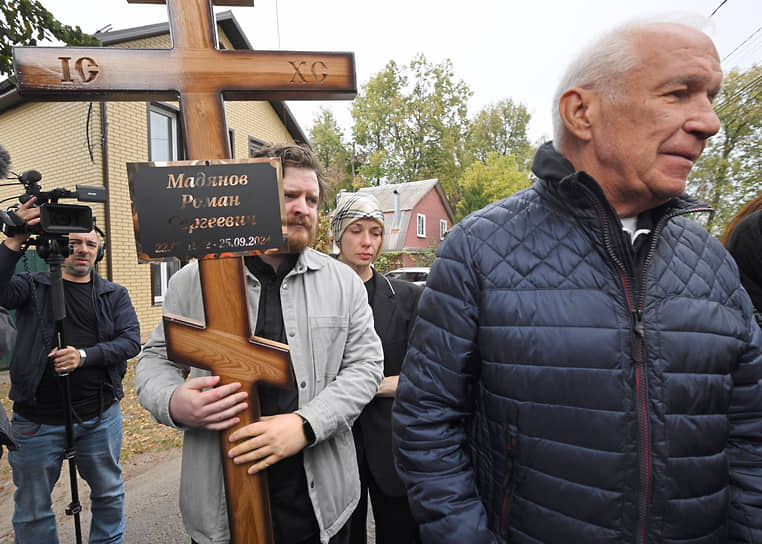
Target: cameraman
<point>101,332</point>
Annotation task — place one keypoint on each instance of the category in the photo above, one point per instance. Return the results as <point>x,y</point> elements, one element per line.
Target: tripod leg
<point>70,455</point>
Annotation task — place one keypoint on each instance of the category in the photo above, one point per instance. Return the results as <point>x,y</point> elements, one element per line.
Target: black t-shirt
<point>86,383</point>
<point>292,513</point>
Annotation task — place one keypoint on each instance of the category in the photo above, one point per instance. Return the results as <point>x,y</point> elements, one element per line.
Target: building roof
<point>9,96</point>
<point>410,193</point>
<point>225,19</point>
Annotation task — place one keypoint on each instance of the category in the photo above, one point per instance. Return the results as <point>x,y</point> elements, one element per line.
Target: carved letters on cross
<point>193,70</point>
<point>199,75</point>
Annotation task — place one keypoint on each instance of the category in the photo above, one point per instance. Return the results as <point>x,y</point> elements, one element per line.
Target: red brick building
<point>417,216</point>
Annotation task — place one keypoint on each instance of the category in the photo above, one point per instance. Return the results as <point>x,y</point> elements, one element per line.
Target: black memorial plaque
<point>207,209</point>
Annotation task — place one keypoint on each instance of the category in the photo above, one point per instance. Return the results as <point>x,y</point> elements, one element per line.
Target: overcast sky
<point>501,49</point>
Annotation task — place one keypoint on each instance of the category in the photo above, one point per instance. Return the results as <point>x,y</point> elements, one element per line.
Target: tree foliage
<point>501,128</point>
<point>729,172</point>
<point>323,240</point>
<point>333,152</point>
<point>409,124</point>
<point>489,181</point>
<point>27,22</point>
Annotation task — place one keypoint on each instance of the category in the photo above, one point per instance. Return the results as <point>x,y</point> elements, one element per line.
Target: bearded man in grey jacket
<point>319,307</point>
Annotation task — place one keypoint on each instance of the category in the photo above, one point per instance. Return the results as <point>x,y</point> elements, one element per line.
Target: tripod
<point>54,250</point>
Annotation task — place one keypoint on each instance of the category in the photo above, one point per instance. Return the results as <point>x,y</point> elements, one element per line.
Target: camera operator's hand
<point>65,359</point>
<point>197,403</point>
<point>31,215</point>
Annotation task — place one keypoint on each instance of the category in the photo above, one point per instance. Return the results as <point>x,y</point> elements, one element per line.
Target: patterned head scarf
<point>353,207</point>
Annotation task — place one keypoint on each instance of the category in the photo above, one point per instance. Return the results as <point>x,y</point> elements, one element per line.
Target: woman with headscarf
<point>358,230</point>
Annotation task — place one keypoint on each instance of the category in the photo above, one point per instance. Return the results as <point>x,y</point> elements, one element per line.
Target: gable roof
<point>9,96</point>
<point>410,193</point>
<point>225,19</point>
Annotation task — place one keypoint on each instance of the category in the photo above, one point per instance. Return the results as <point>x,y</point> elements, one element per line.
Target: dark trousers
<point>393,520</point>
<point>342,537</point>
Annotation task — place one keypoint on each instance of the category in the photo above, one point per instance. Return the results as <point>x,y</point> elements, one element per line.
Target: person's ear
<point>578,108</point>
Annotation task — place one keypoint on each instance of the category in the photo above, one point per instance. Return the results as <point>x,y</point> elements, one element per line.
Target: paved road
<point>152,514</point>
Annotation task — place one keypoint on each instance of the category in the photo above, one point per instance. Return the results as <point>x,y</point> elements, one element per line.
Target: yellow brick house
<point>89,143</point>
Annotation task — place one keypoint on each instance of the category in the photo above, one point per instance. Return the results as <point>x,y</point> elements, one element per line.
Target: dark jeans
<point>37,465</point>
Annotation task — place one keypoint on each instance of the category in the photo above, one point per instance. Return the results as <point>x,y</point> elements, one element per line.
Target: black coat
<point>745,245</point>
<point>394,309</point>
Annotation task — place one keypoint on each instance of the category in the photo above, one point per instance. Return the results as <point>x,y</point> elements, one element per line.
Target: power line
<point>718,7</point>
<point>742,43</point>
<point>740,99</point>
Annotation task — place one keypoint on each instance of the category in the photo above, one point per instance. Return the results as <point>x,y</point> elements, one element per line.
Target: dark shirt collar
<point>262,270</point>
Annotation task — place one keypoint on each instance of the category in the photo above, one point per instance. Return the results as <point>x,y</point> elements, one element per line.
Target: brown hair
<point>299,156</point>
<point>750,208</point>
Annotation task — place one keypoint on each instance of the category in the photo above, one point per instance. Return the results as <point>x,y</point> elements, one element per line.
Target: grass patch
<point>141,433</point>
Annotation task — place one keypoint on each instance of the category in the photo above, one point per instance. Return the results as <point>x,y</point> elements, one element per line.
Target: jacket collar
<point>578,191</point>
<point>310,259</point>
<point>383,285</point>
<point>100,285</point>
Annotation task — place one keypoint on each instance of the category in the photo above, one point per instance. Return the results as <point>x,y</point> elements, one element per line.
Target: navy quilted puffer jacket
<point>558,391</point>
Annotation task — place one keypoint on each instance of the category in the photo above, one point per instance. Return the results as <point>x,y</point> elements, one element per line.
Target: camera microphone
<point>5,162</point>
<point>30,176</point>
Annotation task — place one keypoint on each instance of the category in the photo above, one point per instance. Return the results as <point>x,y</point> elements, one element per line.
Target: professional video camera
<point>55,218</point>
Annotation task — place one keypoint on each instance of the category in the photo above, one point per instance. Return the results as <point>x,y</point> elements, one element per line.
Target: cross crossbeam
<point>201,76</point>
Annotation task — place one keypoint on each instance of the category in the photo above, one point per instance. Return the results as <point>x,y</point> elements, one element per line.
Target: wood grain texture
<point>226,348</point>
<point>201,77</point>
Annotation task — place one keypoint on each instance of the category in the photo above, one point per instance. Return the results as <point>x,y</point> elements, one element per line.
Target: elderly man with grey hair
<point>585,366</point>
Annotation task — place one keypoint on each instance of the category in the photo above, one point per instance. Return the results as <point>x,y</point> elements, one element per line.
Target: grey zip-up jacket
<point>338,365</point>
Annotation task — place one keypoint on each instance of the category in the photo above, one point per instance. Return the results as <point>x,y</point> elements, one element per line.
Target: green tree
<point>485,183</point>
<point>729,172</point>
<point>333,152</point>
<point>409,122</point>
<point>502,128</point>
<point>27,22</point>
<point>322,241</point>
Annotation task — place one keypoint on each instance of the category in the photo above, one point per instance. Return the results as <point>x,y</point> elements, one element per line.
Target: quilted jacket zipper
<point>639,350</point>
<point>639,362</point>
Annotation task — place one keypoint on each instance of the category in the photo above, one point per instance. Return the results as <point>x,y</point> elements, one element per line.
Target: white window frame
<point>173,133</point>
<point>442,228</point>
<point>162,268</point>
<point>421,225</point>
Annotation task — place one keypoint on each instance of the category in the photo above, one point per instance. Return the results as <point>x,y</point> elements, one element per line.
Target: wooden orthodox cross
<point>200,75</point>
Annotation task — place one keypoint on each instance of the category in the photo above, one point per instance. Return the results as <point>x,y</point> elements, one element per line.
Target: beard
<point>299,240</point>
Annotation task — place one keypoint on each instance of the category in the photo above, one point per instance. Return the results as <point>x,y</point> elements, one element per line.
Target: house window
<point>442,228</point>
<point>163,146</point>
<point>160,274</point>
<point>255,144</point>
<point>162,134</point>
<point>421,226</point>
